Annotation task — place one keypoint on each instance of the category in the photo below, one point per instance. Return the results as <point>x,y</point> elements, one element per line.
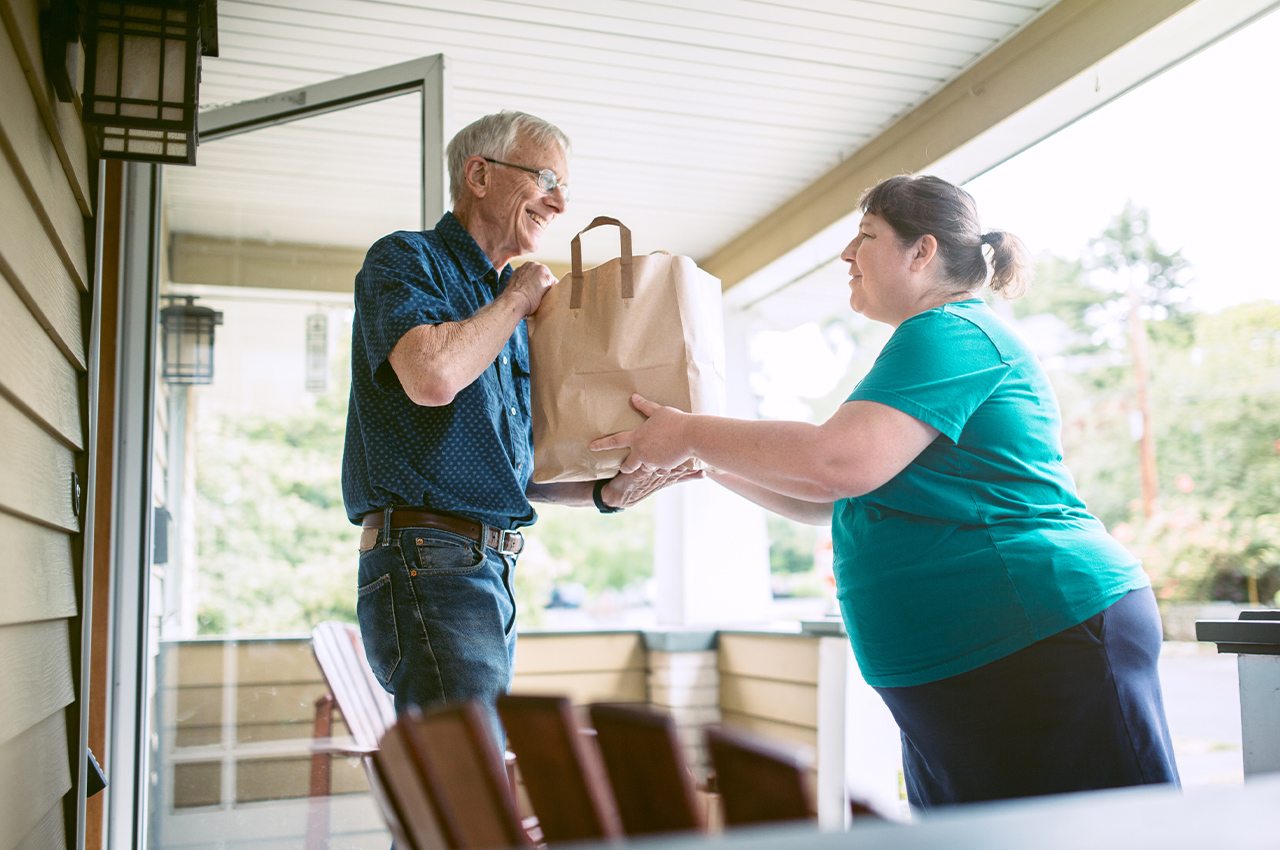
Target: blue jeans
<point>438,619</point>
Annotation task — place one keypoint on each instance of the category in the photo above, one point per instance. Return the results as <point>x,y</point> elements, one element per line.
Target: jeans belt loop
<point>487,533</point>
<point>386,526</point>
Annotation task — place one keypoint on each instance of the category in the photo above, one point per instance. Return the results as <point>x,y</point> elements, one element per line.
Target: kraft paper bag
<point>651,324</point>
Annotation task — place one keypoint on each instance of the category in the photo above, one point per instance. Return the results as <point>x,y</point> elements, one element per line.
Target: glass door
<point>250,546</point>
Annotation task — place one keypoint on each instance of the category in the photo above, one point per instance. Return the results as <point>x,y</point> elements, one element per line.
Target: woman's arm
<point>810,513</point>
<point>857,450</point>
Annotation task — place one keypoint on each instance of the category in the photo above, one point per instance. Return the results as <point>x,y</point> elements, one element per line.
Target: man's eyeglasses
<point>547,179</point>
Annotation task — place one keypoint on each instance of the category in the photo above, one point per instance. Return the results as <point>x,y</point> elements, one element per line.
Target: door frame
<point>131,698</point>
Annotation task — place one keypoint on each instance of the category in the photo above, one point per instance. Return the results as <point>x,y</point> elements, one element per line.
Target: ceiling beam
<point>214,261</point>
<point>1068,39</point>
<point>268,265</point>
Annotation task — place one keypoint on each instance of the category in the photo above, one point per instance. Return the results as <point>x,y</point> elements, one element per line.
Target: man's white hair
<point>495,136</point>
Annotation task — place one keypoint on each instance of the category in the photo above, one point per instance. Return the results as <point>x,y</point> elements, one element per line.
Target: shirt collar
<point>475,265</point>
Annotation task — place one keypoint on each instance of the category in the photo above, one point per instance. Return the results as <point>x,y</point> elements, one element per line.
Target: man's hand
<point>627,488</point>
<point>530,282</point>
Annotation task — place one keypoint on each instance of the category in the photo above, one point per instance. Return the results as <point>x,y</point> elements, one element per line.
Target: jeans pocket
<point>447,554</point>
<point>376,611</point>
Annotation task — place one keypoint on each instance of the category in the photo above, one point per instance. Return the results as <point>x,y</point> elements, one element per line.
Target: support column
<point>711,550</point>
<point>685,683</point>
<point>1255,638</point>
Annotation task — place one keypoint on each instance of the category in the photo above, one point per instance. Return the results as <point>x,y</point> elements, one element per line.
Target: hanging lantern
<point>142,76</point>
<point>318,352</point>
<point>188,340</point>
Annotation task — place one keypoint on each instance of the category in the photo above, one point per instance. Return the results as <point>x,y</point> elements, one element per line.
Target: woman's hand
<point>657,444</point>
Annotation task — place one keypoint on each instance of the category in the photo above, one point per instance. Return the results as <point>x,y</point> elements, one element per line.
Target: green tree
<point>790,545</point>
<point>613,551</point>
<point>1217,534</point>
<point>1213,415</point>
<point>1148,286</point>
<point>274,547</point>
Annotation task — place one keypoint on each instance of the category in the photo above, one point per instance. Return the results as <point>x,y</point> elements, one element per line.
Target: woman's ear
<point>475,174</point>
<point>925,249</point>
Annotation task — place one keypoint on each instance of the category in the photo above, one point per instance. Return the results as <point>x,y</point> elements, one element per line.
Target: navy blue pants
<point>1076,711</point>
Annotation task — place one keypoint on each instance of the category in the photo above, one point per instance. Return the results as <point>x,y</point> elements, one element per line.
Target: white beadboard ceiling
<point>690,119</point>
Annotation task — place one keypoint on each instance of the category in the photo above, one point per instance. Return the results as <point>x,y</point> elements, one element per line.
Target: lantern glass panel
<point>141,77</point>
<point>106,79</point>
<point>145,69</point>
<point>188,333</point>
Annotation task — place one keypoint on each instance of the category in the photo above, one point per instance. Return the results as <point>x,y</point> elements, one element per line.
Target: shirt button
<point>504,361</point>
<point>513,411</point>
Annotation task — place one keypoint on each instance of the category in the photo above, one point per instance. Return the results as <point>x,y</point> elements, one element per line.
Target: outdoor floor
<point>1202,700</point>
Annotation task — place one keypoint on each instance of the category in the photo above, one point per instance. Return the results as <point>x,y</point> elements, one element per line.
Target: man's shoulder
<point>406,243</point>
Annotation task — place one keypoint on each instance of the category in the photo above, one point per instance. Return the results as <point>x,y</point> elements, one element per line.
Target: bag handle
<point>575,280</point>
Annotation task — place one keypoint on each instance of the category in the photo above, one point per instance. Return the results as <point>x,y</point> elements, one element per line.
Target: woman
<point>1013,639</point>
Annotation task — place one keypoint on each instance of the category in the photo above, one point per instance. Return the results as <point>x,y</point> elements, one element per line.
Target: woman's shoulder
<point>957,328</point>
<point>975,321</point>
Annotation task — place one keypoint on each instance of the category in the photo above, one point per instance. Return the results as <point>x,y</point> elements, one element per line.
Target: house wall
<point>45,276</point>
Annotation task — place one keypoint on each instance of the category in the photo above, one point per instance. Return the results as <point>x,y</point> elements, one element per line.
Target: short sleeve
<point>938,368</point>
<point>397,289</point>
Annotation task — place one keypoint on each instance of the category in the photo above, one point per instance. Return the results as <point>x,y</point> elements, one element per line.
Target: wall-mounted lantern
<point>188,340</point>
<point>318,352</point>
<point>142,74</point>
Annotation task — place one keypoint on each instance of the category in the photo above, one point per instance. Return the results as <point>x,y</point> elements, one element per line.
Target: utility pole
<point>1147,442</point>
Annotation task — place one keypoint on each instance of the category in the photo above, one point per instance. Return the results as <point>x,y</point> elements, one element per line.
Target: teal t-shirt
<point>981,546</point>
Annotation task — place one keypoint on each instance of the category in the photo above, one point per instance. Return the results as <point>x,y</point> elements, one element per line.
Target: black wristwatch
<point>599,499</point>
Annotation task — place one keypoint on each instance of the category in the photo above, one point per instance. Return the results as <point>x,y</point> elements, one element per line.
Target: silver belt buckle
<point>510,542</point>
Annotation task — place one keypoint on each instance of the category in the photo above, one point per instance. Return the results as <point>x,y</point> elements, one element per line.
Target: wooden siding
<point>247,704</point>
<point>45,273</point>
<point>49,832</point>
<point>250,704</point>
<point>34,774</point>
<point>587,667</point>
<point>769,684</point>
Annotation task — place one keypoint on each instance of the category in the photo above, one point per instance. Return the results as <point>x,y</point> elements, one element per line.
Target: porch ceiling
<point>690,121</point>
<point>738,132</point>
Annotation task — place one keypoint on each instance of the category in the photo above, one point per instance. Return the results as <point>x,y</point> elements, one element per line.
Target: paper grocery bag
<point>651,324</point>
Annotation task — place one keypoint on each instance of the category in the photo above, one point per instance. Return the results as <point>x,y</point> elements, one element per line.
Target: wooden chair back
<point>447,758</point>
<point>368,711</point>
<point>366,706</point>
<point>758,782</point>
<point>562,771</point>
<point>413,820</point>
<point>651,783</point>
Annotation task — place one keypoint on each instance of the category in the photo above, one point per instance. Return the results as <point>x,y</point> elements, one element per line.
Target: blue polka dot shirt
<point>472,456</point>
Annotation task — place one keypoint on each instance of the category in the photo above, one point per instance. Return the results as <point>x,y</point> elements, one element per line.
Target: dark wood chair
<point>415,825</point>
<point>651,783</point>
<point>563,774</point>
<point>445,761</point>
<point>758,781</point>
<point>367,709</point>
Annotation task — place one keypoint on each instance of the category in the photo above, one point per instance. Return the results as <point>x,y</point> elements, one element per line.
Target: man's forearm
<point>435,362</point>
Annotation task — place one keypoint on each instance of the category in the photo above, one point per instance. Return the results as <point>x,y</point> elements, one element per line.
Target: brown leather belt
<point>506,542</point>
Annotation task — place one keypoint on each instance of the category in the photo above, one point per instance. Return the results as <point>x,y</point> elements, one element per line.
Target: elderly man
<point>438,449</point>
